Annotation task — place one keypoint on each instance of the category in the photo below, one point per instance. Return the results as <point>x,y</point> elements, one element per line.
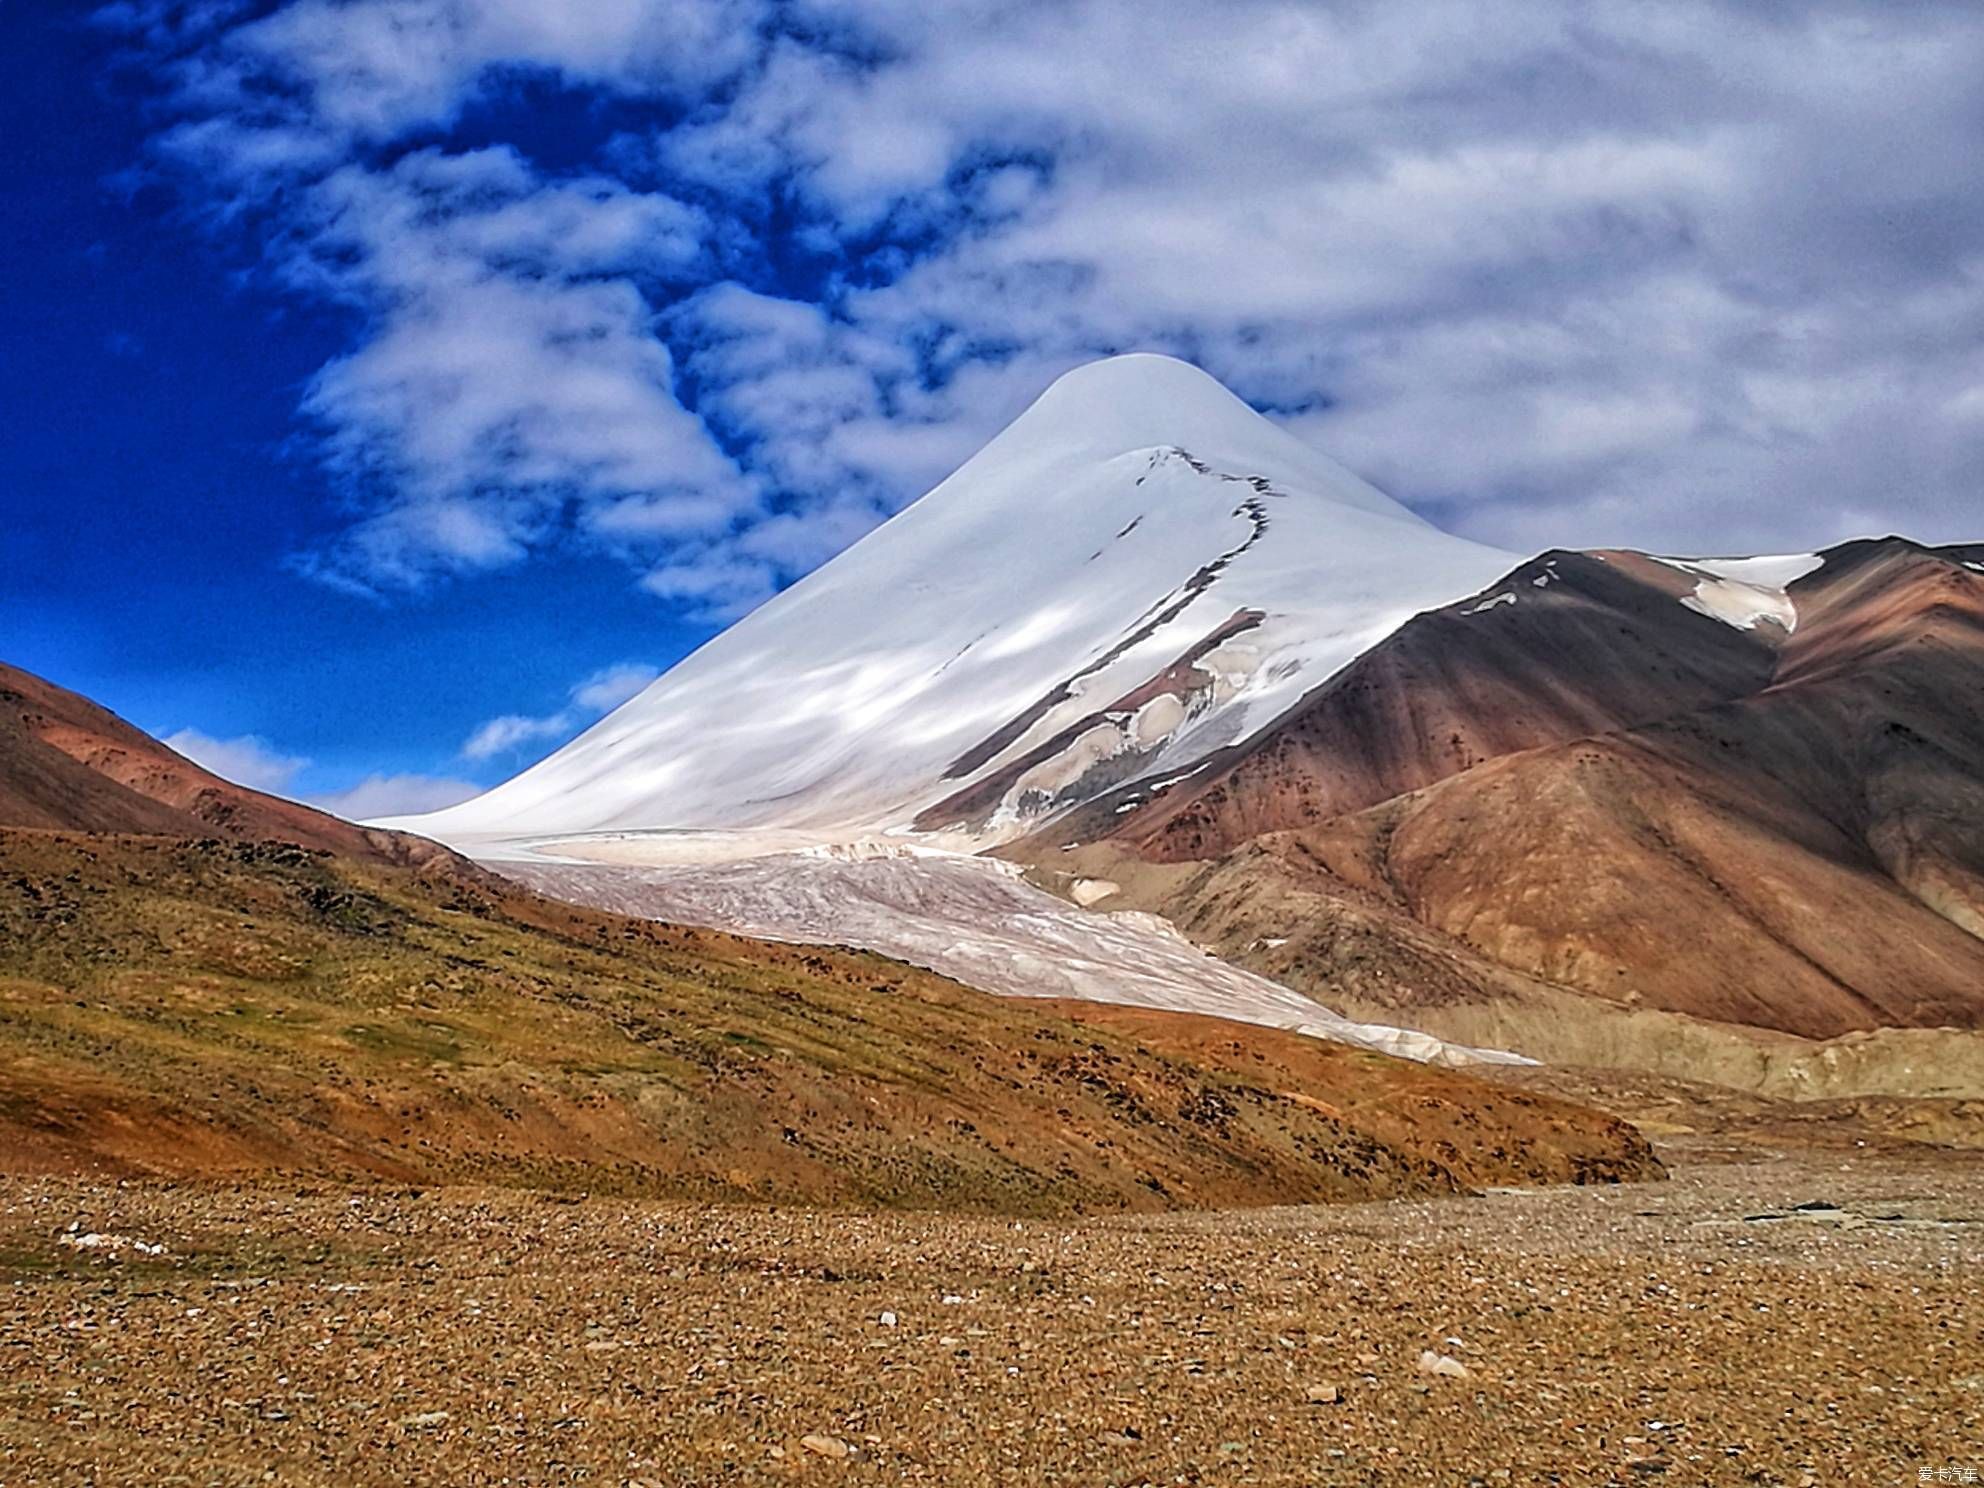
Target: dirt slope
<point>1275,909</point>
<point>1809,858</point>
<point>197,979</point>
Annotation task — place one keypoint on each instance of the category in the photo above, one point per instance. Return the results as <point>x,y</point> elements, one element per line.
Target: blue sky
<point>391,385</point>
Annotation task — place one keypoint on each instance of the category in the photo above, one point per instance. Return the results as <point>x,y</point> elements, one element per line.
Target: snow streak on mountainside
<point>1137,572</point>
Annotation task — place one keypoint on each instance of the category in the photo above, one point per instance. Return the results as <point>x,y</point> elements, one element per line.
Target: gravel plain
<point>1700,1330</point>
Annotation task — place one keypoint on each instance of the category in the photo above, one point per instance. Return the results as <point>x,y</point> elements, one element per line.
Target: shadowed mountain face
<point>190,992</point>
<point>1568,645</point>
<point>1598,787</point>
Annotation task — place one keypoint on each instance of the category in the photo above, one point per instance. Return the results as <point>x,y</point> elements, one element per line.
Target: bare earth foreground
<point>1702,1330</point>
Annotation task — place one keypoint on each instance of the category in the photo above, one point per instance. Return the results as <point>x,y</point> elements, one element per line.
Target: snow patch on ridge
<point>1744,592</point>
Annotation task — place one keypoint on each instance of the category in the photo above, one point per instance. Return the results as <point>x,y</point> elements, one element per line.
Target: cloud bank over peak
<point>715,285</point>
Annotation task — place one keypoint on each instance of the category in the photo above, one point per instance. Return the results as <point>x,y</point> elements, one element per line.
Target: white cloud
<point>378,68</point>
<point>609,687</point>
<point>512,375</point>
<point>394,795</point>
<point>511,731</point>
<point>713,585</point>
<point>1698,275</point>
<point>601,692</point>
<point>245,759</point>
<point>251,761</point>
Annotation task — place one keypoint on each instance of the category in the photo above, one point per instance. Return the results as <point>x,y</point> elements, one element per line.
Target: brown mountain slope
<point>1276,909</point>
<point>1780,831</point>
<point>70,765</point>
<point>1593,643</point>
<point>185,990</point>
<point>1808,858</point>
<point>202,1008</point>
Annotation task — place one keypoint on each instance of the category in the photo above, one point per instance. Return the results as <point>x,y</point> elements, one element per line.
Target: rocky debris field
<point>1790,1319</point>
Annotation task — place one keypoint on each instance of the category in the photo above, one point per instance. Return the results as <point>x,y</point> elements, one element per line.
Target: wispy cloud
<point>501,735</point>
<point>511,392</point>
<point>252,761</point>
<point>608,688</point>
<point>597,694</point>
<point>394,795</point>
<point>1700,275</point>
<point>245,759</point>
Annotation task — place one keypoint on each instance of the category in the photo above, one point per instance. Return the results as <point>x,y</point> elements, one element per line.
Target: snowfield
<point>975,920</point>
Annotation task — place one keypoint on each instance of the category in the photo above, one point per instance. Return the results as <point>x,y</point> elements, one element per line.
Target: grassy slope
<point>205,1008</point>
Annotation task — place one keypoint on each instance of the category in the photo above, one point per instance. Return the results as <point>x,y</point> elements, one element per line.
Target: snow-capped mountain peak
<point>1137,571</point>
<point>1145,401</point>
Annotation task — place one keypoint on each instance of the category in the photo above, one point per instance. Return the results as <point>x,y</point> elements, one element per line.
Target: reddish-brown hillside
<point>208,1008</point>
<point>69,765</point>
<point>1597,642</point>
<point>1809,858</point>
<point>1616,794</point>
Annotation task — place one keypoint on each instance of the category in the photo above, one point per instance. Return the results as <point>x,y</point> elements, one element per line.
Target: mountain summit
<point>1139,570</point>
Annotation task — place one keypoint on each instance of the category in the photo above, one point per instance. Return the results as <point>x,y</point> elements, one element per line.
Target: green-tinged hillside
<point>227,1008</point>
